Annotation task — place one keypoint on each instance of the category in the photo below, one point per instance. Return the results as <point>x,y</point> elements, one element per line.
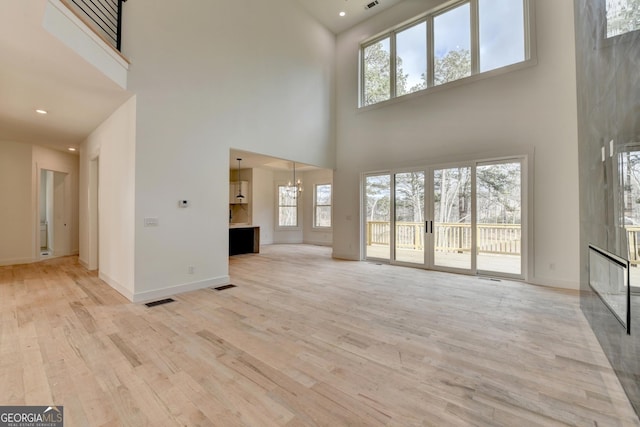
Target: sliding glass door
<point>465,217</point>
<point>452,215</point>
<point>377,200</point>
<point>409,230</point>
<point>499,217</point>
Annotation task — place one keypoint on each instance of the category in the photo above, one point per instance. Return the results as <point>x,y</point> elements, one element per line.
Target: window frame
<point>316,205</point>
<point>278,206</point>
<point>529,50</point>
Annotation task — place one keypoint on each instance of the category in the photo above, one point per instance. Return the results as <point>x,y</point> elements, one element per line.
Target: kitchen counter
<point>244,239</point>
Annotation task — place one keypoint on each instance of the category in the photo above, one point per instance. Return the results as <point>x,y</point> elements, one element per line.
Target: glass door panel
<point>628,204</point>
<point>378,219</point>
<point>452,236</point>
<point>499,217</point>
<point>409,217</point>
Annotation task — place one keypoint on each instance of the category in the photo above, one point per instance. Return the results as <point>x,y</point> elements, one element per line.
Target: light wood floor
<point>304,340</point>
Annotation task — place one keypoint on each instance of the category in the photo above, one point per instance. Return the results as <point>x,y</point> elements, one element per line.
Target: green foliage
<point>498,193</point>
<point>377,74</point>
<point>378,198</point>
<point>456,64</point>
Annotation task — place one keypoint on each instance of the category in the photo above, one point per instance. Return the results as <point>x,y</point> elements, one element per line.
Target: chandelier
<point>294,187</point>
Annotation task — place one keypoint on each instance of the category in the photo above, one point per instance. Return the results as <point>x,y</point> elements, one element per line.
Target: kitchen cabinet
<point>244,240</point>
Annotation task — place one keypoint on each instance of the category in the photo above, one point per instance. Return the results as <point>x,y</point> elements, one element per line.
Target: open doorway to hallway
<point>53,237</point>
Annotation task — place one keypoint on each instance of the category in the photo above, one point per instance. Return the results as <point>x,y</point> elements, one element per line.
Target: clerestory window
<point>465,38</point>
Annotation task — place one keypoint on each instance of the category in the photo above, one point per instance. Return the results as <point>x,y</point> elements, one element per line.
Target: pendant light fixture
<point>295,185</point>
<point>240,195</point>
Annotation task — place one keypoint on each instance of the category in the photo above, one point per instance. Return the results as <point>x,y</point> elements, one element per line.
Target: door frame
<point>68,214</point>
<point>526,159</point>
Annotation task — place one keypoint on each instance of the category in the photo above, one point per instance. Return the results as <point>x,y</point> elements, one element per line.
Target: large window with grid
<point>463,39</point>
<point>287,206</point>
<point>322,206</point>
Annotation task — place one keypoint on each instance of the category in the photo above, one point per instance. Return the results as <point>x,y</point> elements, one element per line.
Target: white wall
<point>263,208</point>
<point>532,109</point>
<point>114,143</point>
<point>311,235</point>
<point>252,75</point>
<point>16,243</point>
<point>20,181</point>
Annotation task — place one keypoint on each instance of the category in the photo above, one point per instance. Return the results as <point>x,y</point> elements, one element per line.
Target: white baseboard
<point>15,261</point>
<point>555,283</point>
<point>348,257</point>
<point>122,290</point>
<point>179,289</point>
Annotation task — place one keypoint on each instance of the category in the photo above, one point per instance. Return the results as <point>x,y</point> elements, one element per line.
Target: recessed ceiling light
<point>71,149</point>
<point>39,111</point>
<point>342,13</point>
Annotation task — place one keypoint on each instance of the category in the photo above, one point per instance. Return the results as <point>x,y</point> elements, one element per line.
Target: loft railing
<point>103,16</point>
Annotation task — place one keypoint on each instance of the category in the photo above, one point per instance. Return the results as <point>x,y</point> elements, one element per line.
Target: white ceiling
<point>326,11</point>
<point>39,71</point>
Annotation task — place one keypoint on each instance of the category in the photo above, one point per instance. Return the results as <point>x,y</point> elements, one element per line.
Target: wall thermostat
<point>183,203</point>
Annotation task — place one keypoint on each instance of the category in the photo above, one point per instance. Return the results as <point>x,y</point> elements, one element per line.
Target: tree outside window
<point>287,206</point>
<point>322,217</point>
<point>443,43</point>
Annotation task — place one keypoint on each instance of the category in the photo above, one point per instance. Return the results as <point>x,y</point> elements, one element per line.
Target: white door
<point>60,220</point>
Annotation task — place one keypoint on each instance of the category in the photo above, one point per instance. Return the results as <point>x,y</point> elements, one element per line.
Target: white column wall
<point>252,75</point>
<point>114,143</point>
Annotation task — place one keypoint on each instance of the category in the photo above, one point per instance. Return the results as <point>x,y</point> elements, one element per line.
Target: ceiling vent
<point>370,5</point>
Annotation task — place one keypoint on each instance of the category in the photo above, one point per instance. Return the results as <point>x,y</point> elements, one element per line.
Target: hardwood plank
<point>304,340</point>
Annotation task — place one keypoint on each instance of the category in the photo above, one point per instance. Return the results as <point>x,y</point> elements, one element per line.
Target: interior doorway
<point>53,238</point>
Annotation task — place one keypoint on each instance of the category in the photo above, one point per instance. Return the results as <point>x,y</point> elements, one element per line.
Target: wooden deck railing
<point>449,237</point>
<point>633,242</point>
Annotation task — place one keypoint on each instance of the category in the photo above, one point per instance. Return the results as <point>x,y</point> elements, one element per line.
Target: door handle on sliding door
<point>426,226</point>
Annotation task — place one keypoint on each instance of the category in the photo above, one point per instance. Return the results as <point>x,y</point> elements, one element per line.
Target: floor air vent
<point>159,302</point>
<point>222,288</point>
